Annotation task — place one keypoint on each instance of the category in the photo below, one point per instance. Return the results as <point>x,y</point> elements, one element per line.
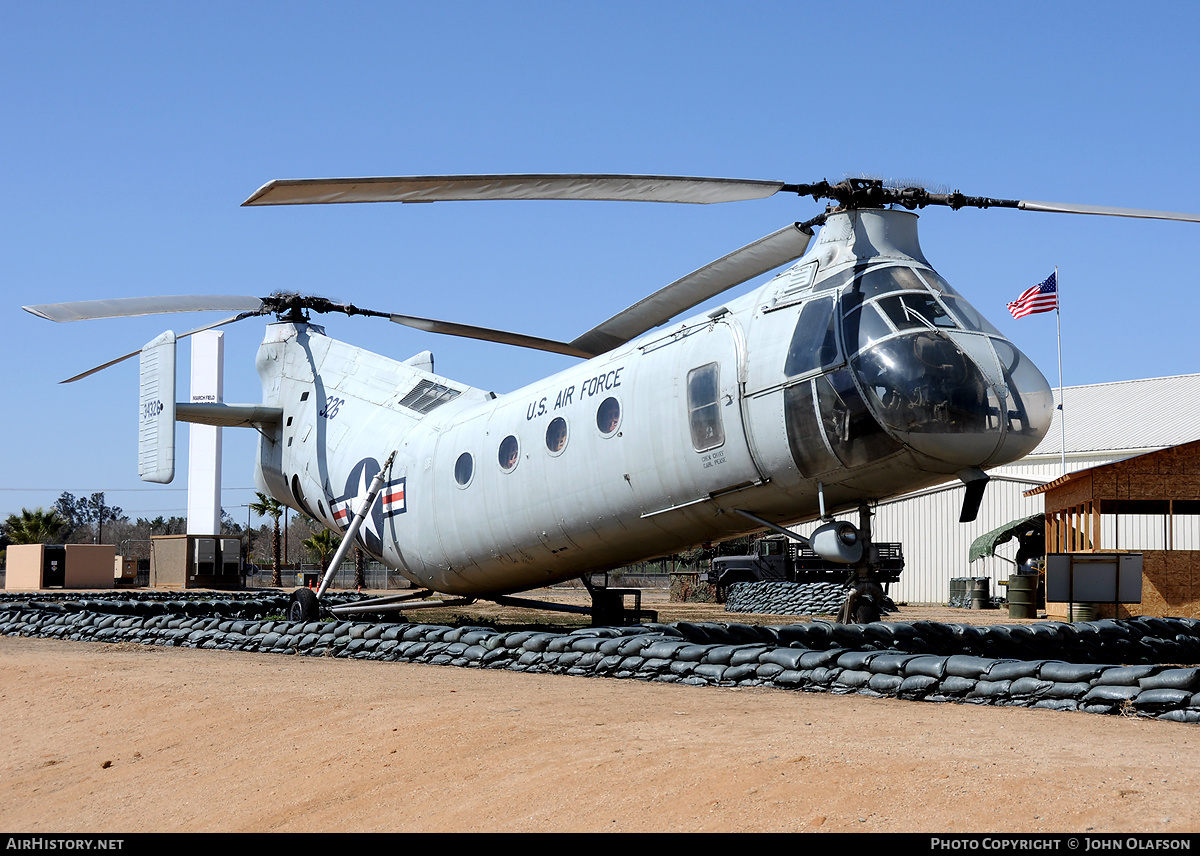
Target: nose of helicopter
<point>1028,403</point>
<point>962,400</point>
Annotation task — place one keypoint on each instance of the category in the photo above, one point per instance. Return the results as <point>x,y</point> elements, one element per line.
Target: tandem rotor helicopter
<point>855,375</point>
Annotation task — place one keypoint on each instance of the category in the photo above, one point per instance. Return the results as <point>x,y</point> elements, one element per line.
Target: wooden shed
<point>1149,504</point>
<point>32,567</point>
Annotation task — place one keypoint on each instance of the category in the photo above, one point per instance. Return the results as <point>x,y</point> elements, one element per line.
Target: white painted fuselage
<point>645,450</point>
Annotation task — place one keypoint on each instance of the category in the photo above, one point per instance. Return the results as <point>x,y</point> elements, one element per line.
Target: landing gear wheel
<point>304,606</point>
<point>864,604</point>
<point>866,611</point>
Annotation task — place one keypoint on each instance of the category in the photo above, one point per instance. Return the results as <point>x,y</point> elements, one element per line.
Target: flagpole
<point>1062,422</point>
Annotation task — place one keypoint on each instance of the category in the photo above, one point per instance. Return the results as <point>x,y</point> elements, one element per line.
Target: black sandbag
<point>964,666</point>
<point>1161,699</point>
<point>1175,679</point>
<point>1060,672</point>
<point>1125,676</point>
<point>930,665</point>
<point>1109,693</point>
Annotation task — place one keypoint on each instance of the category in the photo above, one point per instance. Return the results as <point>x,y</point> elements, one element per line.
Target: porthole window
<point>556,435</point>
<point>510,453</point>
<point>464,468</point>
<point>608,416</point>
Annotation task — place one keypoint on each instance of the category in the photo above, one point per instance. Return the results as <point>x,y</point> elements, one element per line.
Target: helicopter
<point>854,375</point>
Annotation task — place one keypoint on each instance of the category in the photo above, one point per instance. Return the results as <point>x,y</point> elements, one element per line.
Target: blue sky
<point>133,131</point>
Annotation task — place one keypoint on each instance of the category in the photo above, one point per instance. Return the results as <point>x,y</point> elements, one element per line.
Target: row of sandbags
<point>777,598</point>
<point>814,657</point>
<point>772,598</point>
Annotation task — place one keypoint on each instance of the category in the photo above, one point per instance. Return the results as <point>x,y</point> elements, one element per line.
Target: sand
<point>128,738</point>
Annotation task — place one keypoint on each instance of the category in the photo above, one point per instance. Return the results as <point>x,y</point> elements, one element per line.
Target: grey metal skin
<point>739,408</point>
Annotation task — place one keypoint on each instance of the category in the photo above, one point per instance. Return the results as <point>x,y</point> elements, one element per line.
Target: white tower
<point>204,447</point>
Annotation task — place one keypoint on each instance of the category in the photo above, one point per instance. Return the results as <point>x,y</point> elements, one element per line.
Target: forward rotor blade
<point>139,350</point>
<point>457,188</point>
<point>488,335</point>
<point>767,253</point>
<point>1067,208</point>
<point>127,307</point>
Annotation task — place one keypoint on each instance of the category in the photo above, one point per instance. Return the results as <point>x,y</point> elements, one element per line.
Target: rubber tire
<point>866,611</point>
<point>304,606</point>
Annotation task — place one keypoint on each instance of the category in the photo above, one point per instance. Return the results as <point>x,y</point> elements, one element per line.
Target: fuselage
<point>859,369</point>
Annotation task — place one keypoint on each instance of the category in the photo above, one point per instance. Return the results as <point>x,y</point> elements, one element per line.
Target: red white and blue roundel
<point>392,497</point>
<point>390,502</point>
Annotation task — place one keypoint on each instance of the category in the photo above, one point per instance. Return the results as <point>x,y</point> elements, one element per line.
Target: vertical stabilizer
<point>156,410</point>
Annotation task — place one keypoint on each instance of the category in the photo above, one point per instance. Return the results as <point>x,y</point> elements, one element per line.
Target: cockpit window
<point>814,342</point>
<point>865,326</point>
<point>885,280</point>
<point>938,284</point>
<point>969,316</point>
<point>923,383</point>
<point>915,312</point>
<point>856,437</point>
<point>1032,408</point>
<point>835,281</point>
<point>803,425</point>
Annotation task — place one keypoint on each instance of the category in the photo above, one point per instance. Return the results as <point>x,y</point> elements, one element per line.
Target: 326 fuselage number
<point>330,410</point>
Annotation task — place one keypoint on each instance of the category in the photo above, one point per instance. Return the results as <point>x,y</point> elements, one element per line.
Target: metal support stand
<point>399,603</point>
<point>608,605</point>
<point>355,525</point>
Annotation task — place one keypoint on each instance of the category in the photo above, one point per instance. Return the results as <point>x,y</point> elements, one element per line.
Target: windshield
<point>923,366</point>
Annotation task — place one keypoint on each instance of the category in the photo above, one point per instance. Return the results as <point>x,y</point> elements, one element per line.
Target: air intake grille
<point>427,395</point>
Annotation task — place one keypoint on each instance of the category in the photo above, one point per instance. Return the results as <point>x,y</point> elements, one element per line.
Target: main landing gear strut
<point>865,599</point>
<point>305,604</point>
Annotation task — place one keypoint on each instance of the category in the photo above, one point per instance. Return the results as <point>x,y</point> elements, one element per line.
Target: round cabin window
<point>509,454</point>
<point>608,416</point>
<point>464,468</point>
<point>556,435</point>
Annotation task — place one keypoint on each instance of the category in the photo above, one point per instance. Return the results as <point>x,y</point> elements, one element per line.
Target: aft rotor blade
<point>767,253</point>
<point>128,307</point>
<point>459,188</point>
<point>92,371</point>
<point>487,334</point>
<point>1068,208</point>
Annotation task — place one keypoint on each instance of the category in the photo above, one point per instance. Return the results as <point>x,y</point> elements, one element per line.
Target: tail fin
<point>156,410</point>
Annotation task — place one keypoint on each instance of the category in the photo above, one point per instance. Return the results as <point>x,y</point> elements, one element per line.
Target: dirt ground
<point>128,738</point>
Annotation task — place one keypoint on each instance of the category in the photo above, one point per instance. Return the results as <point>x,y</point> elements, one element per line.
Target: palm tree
<point>360,568</point>
<point>34,527</point>
<point>270,507</point>
<point>323,544</point>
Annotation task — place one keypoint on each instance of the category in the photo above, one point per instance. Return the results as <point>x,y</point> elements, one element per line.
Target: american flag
<point>1041,298</point>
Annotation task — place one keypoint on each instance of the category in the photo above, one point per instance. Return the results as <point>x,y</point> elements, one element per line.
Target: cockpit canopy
<point>898,358</point>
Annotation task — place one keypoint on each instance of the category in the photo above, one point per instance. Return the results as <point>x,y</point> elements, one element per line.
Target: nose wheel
<point>304,606</point>
<point>864,603</point>
<point>865,600</point>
